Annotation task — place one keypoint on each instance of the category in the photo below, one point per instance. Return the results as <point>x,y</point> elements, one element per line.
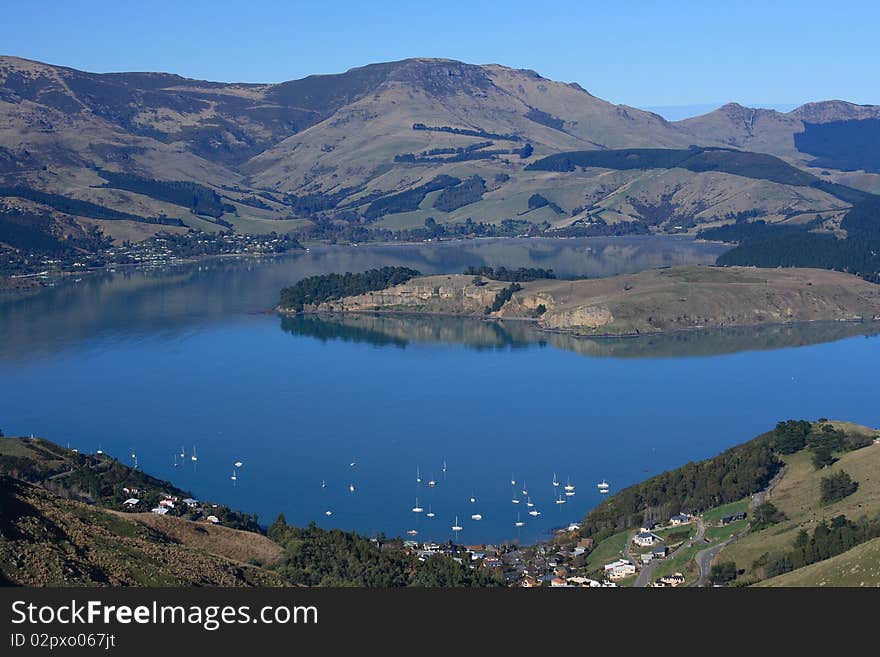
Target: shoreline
<point>571,333</point>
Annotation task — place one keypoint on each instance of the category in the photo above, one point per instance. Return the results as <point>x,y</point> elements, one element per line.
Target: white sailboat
<point>569,485</point>
<point>430,514</point>
<point>323,484</point>
<point>529,502</point>
<point>535,513</point>
<point>194,456</point>
<point>413,532</point>
<point>417,508</point>
<point>512,480</point>
<point>238,464</point>
<point>560,500</point>
<point>515,500</point>
<point>418,476</point>
<point>456,527</point>
<point>518,523</point>
<point>444,467</point>
<point>351,488</point>
<point>328,513</point>
<point>524,490</point>
<point>555,481</point>
<point>603,486</point>
<point>182,453</point>
<point>569,493</point>
<point>234,475</point>
<point>476,516</point>
<point>432,482</point>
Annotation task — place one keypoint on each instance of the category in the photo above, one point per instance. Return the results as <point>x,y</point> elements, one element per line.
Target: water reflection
<point>132,303</point>
<point>384,330</point>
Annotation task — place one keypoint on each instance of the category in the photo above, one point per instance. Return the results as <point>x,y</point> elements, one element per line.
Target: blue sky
<point>647,54</point>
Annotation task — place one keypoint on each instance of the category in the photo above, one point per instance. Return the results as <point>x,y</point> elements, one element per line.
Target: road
<point>704,558</point>
<point>645,573</point>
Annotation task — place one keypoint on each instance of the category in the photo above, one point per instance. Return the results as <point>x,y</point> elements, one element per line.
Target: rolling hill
<point>388,146</point>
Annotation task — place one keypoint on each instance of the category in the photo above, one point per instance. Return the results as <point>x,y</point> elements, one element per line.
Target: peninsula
<point>656,301</point>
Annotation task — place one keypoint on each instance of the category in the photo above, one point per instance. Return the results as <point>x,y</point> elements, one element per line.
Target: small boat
<point>569,486</point>
<point>512,481</point>
<point>432,482</point>
<point>473,499</point>
<point>328,513</point>
<point>417,508</point>
<point>535,513</point>
<point>603,491</point>
<point>100,451</point>
<point>560,500</point>
<point>234,476</point>
<point>352,464</point>
<point>412,532</point>
<point>524,491</point>
<point>174,464</point>
<point>238,464</point>
<point>518,523</point>
<point>529,503</point>
<point>444,467</point>
<point>602,484</point>
<point>569,493</point>
<point>182,453</point>
<point>194,456</point>
<point>351,488</point>
<point>323,484</point>
<point>476,516</point>
<point>555,481</point>
<point>418,476</point>
<point>515,500</point>
<point>430,513</point>
<point>456,527</point>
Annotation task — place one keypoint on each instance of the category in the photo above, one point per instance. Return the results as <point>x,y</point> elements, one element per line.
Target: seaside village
<point>564,562</point>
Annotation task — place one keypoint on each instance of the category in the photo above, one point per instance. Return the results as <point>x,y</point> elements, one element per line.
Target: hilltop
<point>664,300</point>
<point>398,150</point>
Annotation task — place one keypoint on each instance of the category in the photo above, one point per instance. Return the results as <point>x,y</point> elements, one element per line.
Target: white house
<point>214,520</point>
<point>680,519</point>
<point>161,510</point>
<point>131,502</point>
<point>645,539</point>
<point>620,569</point>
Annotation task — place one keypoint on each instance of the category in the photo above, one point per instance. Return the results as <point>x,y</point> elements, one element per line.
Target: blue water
<point>298,409</point>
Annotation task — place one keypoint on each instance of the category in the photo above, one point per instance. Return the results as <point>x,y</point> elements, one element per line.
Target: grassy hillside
<point>797,496</point>
<point>859,566</point>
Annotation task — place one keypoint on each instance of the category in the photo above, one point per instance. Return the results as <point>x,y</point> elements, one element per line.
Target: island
<point>655,301</point>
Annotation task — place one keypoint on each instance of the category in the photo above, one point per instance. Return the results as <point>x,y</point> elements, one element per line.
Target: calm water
<point>152,361</point>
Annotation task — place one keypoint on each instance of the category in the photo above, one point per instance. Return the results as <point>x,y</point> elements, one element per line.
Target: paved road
<point>645,573</point>
<point>705,557</point>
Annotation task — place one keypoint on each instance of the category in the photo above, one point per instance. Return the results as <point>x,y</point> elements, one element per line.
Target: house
<point>733,517</point>
<point>680,519</point>
<point>530,582</point>
<point>131,502</point>
<point>191,503</point>
<point>573,527</point>
<point>493,562</point>
<point>646,539</point>
<point>649,527</point>
<point>558,582</point>
<point>619,569</point>
<point>214,520</point>
<point>166,503</point>
<point>672,580</point>
<point>578,551</point>
<point>646,558</point>
<point>586,543</point>
<point>660,552</point>
<point>161,510</point>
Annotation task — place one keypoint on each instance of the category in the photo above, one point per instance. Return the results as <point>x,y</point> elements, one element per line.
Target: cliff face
<point>653,301</point>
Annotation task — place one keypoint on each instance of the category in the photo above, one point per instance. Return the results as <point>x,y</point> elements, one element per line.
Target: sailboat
<point>430,513</point>
<point>194,456</point>
<point>418,476</point>
<point>456,527</point>
<point>535,513</point>
<point>351,488</point>
<point>432,482</point>
<point>412,532</point>
<point>175,463</point>
<point>515,499</point>
<point>569,493</point>
<point>417,508</point>
<point>473,499</point>
<point>238,464</point>
<point>569,485</point>
<point>328,513</point>
<point>100,451</point>
<point>603,486</point>
<point>182,453</point>
<point>555,481</point>
<point>560,500</point>
<point>518,523</point>
<point>234,476</point>
<point>512,481</point>
<point>529,502</point>
<point>476,516</point>
<point>323,484</point>
<point>524,491</point>
<point>444,467</point>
